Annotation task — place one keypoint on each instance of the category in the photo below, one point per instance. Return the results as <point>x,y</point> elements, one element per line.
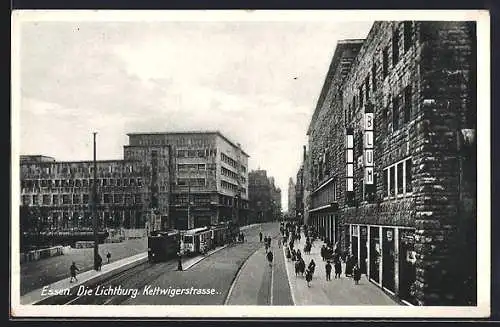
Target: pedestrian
<point>312,266</point>
<point>73,269</point>
<point>308,277</point>
<point>99,262</point>
<point>323,249</point>
<point>338,268</point>
<point>270,257</point>
<point>260,237</point>
<point>108,256</point>
<point>299,255</point>
<point>267,246</point>
<point>328,269</point>
<point>288,254</point>
<point>356,274</point>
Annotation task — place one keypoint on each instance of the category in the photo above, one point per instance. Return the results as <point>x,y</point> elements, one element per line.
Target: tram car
<point>219,235</point>
<point>196,241</point>
<point>163,246</point>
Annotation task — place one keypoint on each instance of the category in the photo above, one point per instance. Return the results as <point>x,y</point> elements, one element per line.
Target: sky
<point>255,81</point>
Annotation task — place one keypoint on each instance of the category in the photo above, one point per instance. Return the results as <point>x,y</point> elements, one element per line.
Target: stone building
<point>208,172</point>
<point>299,190</point>
<point>265,198</point>
<point>404,160</point>
<point>291,197</point>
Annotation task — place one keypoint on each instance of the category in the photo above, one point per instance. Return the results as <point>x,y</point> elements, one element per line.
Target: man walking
<point>73,269</point>
<point>328,268</point>
<point>260,237</point>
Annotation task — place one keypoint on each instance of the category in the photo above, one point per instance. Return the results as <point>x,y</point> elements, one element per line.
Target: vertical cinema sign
<point>349,162</point>
<point>368,144</point>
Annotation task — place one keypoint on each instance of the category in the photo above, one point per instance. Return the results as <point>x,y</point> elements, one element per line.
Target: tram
<point>196,241</point>
<point>163,246</point>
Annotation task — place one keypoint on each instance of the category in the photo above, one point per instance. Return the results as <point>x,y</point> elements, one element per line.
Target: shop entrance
<point>388,278</point>
<point>407,269</point>
<point>375,254</point>
<point>363,250</point>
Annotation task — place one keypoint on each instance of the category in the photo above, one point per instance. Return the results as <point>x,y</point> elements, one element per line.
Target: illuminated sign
<point>349,159</point>
<point>368,145</point>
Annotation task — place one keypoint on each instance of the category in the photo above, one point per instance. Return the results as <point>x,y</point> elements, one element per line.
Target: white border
<point>483,138</point>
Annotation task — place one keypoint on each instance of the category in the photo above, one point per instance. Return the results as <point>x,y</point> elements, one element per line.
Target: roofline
<point>216,132</point>
<point>78,161</point>
<point>341,44</point>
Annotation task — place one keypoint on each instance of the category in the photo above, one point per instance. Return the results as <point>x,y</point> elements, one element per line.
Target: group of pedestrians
<point>98,265</point>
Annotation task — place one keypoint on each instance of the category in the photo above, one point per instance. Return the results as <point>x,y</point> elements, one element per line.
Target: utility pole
<point>94,209</point>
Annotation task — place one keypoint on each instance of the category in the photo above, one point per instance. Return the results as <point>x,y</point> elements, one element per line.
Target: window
<point>46,199</point>
<point>395,113</point>
<point>407,104</point>
<point>181,153</point>
<point>104,182</point>
<point>361,97</point>
<point>392,180</point>
<point>374,76</point>
<point>85,198</point>
<point>400,178</point>
<point>26,200</point>
<point>385,120</point>
<point>106,198</point>
<point>138,199</point>
<point>397,178</point>
<point>408,175</point>
<point>85,182</point>
<point>66,199</point>
<point>385,62</point>
<point>385,183</point>
<point>367,88</point>
<point>407,26</point>
<point>55,199</point>
<point>118,182</point>
<point>395,47</point>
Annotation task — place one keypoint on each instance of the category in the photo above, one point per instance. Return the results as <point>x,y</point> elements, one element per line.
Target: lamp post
<point>94,210</point>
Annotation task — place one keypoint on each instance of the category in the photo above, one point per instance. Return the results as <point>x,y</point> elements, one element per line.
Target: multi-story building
<point>56,195</point>
<point>275,199</point>
<point>400,152</point>
<point>265,197</point>
<point>291,197</point>
<point>209,176</point>
<point>163,179</point>
<point>299,190</point>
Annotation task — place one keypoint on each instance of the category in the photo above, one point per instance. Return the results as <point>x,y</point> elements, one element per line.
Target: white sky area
<point>256,82</point>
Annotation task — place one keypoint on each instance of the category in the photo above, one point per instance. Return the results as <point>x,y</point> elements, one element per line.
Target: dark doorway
<point>388,279</point>
<point>363,250</point>
<point>374,254</point>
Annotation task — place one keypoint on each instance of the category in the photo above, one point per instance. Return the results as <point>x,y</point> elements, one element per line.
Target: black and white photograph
<point>242,163</point>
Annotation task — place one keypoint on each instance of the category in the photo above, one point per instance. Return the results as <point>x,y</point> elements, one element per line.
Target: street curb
<point>204,257</point>
<point>292,293</point>
<point>238,273</point>
<point>93,279</point>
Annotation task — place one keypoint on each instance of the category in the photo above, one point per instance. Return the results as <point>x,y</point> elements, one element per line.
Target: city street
<point>215,272</point>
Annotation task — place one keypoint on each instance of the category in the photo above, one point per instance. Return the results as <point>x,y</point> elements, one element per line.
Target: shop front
<point>386,255</point>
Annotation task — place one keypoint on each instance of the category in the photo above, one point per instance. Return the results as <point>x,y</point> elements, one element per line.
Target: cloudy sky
<point>256,81</point>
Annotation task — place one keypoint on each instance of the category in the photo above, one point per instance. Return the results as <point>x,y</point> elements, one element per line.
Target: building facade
<point>163,179</point>
<point>291,197</point>
<point>56,195</point>
<point>405,160</point>
<point>209,176</point>
<point>265,197</point>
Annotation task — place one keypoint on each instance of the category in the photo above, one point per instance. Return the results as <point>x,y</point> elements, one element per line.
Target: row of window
<point>197,153</point>
<point>400,112</point>
<point>232,174</point>
<point>191,182</point>
<point>191,167</point>
<point>364,90</point>
<point>68,170</point>
<point>57,199</point>
<point>230,161</point>
<point>397,179</point>
<point>82,182</point>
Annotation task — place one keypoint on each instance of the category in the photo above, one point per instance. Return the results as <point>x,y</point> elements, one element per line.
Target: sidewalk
<point>36,274</point>
<point>335,292</point>
<point>106,270</point>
